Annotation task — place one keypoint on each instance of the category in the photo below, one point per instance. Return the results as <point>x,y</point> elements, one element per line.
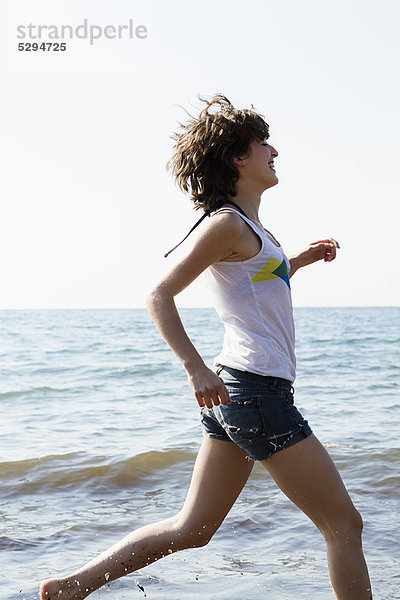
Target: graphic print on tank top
<point>273,269</point>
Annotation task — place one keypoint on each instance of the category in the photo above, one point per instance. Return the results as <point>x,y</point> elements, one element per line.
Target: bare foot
<point>62,589</point>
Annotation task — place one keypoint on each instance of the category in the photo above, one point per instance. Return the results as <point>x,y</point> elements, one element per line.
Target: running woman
<point>223,159</point>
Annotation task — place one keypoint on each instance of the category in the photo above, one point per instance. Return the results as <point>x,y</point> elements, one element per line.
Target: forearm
<point>321,250</point>
<point>162,308</point>
<point>295,265</point>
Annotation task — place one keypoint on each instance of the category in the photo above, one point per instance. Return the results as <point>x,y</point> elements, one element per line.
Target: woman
<point>247,409</point>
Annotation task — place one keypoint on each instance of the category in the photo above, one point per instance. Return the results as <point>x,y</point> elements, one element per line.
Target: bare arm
<point>214,243</point>
<point>321,250</point>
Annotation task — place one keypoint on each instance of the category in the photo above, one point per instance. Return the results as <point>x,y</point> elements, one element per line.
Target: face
<point>258,164</point>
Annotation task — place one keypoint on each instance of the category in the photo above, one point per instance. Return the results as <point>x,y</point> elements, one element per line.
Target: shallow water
<point>99,435</point>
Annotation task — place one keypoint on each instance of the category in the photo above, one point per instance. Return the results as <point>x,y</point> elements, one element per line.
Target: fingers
<point>327,248</point>
<point>206,399</point>
<point>330,250</point>
<point>328,241</point>
<point>212,396</point>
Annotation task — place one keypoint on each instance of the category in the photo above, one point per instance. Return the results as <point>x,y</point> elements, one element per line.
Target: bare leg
<point>220,472</point>
<point>307,475</point>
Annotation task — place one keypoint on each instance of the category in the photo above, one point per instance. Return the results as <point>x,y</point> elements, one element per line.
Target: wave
<point>46,390</point>
<point>7,543</point>
<point>77,469</point>
<point>34,390</point>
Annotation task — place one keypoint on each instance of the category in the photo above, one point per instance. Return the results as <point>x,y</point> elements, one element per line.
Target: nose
<point>274,152</point>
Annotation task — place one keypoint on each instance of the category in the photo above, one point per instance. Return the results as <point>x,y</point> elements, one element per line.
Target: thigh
<point>220,472</point>
<point>307,475</point>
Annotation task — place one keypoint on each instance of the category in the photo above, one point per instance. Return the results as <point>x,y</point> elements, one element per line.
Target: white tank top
<point>252,298</point>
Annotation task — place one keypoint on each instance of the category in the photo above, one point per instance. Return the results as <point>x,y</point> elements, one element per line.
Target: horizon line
<point>191,307</point>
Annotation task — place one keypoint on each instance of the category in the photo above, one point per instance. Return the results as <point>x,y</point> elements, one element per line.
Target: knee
<point>345,529</point>
<point>189,534</point>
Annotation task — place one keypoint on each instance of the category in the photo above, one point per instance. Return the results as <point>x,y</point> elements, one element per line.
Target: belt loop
<point>219,368</point>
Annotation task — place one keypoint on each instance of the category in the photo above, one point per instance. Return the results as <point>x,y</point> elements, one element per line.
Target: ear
<point>239,161</point>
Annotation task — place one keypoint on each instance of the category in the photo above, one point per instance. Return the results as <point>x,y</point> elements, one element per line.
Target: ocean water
<point>99,432</point>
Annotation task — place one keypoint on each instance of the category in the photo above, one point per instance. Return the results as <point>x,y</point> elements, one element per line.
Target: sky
<point>87,209</point>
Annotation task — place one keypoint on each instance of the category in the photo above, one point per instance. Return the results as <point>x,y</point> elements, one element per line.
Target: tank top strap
<point>255,228</point>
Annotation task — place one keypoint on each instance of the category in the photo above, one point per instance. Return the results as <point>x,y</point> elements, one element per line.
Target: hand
<point>320,250</point>
<point>208,388</point>
<point>324,249</point>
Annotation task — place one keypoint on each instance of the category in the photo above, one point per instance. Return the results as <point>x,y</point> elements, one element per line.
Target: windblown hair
<point>202,162</point>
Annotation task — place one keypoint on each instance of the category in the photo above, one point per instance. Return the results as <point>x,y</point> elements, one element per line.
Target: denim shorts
<point>261,417</point>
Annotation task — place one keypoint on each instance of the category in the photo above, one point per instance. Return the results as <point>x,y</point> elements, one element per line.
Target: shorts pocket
<point>242,419</point>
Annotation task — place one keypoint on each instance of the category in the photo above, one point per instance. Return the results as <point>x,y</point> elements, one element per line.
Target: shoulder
<point>226,222</point>
<point>217,236</point>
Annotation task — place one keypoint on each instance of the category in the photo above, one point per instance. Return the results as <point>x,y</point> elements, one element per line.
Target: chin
<point>272,182</point>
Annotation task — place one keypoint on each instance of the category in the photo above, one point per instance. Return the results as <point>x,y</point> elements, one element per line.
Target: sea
<point>99,433</point>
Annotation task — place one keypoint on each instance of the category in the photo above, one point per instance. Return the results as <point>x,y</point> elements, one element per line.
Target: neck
<point>249,203</point>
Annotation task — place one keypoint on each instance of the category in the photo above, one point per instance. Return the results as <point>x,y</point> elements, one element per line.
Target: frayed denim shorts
<point>261,417</point>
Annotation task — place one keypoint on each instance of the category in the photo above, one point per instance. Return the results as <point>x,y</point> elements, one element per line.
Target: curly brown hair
<point>202,162</point>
